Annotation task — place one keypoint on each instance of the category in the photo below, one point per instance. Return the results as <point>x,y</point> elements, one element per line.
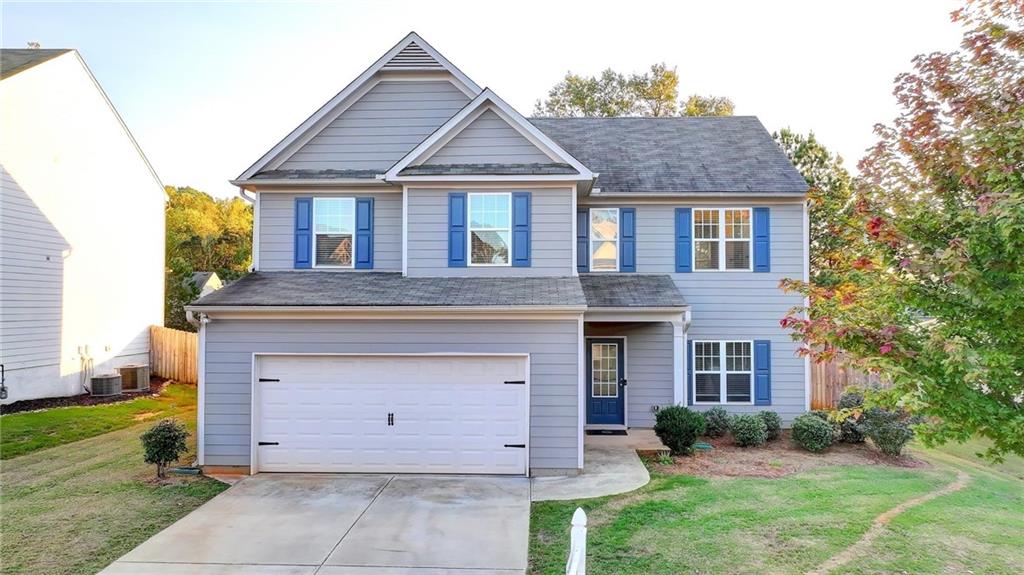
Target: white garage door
<point>391,414</point>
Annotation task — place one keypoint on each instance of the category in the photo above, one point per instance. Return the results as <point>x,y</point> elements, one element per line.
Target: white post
<point>577,563</point>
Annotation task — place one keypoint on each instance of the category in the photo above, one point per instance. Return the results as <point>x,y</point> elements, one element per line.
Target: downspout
<point>255,226</point>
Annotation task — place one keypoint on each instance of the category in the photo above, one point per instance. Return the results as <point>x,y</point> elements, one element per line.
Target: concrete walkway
<point>347,525</point>
<point>608,469</point>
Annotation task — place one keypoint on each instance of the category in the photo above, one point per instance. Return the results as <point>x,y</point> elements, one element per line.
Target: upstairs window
<point>723,372</point>
<point>604,239</point>
<point>490,229</point>
<point>334,224</point>
<point>722,239</point>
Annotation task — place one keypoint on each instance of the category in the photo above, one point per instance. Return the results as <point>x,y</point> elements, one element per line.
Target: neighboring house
<point>81,229</point>
<point>205,282</point>
<point>442,285</point>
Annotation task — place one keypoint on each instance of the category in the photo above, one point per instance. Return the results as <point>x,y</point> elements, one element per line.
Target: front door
<point>606,382</point>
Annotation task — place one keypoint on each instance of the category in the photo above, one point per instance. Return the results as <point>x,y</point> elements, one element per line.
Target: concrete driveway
<point>347,525</point>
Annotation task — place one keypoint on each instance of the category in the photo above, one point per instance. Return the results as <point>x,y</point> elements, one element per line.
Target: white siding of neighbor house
<point>551,235</point>
<point>81,234</point>
<point>381,127</point>
<point>552,345</point>
<point>277,229</point>
<point>648,367</point>
<point>488,140</point>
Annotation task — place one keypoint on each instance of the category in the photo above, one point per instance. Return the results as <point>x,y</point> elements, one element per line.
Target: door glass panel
<point>604,369</point>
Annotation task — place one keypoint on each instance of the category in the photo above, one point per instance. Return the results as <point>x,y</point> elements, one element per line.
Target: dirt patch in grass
<point>775,459</point>
<point>155,385</point>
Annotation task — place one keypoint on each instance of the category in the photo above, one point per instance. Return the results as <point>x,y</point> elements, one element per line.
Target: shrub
<point>821,414</point>
<point>888,430</point>
<point>164,443</point>
<point>678,428</point>
<point>851,399</point>
<point>812,433</point>
<point>748,430</point>
<point>717,422</point>
<point>851,431</point>
<point>772,424</point>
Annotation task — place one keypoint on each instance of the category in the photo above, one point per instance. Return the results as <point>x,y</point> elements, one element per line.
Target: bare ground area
<point>777,458</point>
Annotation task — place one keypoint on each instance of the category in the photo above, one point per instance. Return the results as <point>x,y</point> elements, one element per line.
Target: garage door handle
<point>519,445</point>
<point>268,443</point>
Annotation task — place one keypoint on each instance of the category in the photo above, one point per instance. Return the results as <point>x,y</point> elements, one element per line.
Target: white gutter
<point>387,309</point>
<point>255,227</point>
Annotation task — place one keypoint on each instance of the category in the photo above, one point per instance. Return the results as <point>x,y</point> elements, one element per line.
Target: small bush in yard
<point>851,431</point>
<point>812,432</point>
<point>163,444</point>
<point>678,428</point>
<point>888,430</point>
<point>772,423</point>
<point>717,422</point>
<point>851,399</point>
<point>748,430</point>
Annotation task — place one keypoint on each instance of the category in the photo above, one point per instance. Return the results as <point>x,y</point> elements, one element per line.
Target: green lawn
<point>684,524</point>
<point>22,433</point>
<point>77,507</point>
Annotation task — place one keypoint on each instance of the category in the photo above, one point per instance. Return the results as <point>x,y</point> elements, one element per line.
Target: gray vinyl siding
<point>381,127</point>
<point>737,305</point>
<point>488,140</point>
<point>277,229</point>
<point>649,365</point>
<point>551,235</point>
<point>31,280</point>
<point>552,346</point>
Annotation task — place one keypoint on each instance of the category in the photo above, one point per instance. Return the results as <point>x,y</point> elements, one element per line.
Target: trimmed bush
<point>772,424</point>
<point>678,428</point>
<point>163,444</point>
<point>851,431</point>
<point>748,430</point>
<point>851,400</point>
<point>812,432</point>
<point>717,422</point>
<point>821,414</point>
<point>888,430</point>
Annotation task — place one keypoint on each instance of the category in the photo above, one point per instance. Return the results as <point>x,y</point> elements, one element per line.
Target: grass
<point>23,433</point>
<point>684,524</point>
<point>75,508</point>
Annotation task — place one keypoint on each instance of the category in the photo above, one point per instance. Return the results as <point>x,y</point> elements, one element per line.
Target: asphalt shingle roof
<point>14,60</point>
<point>487,169</point>
<point>313,288</point>
<point>316,175</point>
<point>677,155</point>
<point>630,290</point>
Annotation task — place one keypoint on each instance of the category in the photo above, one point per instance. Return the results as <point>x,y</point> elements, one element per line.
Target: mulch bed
<point>777,458</point>
<point>156,385</point>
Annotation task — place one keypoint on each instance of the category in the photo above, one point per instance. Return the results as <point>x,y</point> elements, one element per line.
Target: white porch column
<point>679,328</point>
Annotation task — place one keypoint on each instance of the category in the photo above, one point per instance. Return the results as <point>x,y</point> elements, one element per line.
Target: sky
<point>208,87</point>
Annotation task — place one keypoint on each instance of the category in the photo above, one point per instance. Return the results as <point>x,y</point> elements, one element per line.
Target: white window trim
<point>722,239</point>
<point>352,264</point>
<point>469,230</point>
<point>590,241</point>
<point>723,372</point>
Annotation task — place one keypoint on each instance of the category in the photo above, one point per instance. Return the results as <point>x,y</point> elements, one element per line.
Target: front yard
<point>76,507</point>
<point>681,523</point>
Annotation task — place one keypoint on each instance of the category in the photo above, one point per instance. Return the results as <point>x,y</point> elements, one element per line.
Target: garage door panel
<point>450,414</point>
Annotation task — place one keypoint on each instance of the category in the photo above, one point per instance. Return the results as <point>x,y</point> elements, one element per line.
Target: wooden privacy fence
<point>828,380</point>
<point>174,354</point>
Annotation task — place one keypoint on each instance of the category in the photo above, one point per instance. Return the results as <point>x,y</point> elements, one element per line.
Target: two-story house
<point>443,285</point>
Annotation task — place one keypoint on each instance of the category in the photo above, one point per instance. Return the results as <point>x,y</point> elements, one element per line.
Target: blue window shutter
<point>457,230</point>
<point>684,240</point>
<point>582,241</point>
<point>762,372</point>
<point>762,241</point>
<point>303,233</point>
<point>364,233</point>
<point>521,229</point>
<point>627,239</point>
<point>689,372</point>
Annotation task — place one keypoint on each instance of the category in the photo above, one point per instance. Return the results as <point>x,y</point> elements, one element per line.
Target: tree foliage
<point>203,234</point>
<point>830,201</point>
<point>654,93</point>
<point>931,290</point>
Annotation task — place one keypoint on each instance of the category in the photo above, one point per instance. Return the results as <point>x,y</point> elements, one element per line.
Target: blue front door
<point>606,383</point>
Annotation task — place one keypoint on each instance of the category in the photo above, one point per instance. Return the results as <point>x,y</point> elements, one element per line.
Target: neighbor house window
<point>334,224</point>
<point>723,372</point>
<point>722,239</point>
<point>490,229</point>
<point>604,239</point>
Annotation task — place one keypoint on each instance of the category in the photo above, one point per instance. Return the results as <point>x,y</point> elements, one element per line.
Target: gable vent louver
<point>412,57</point>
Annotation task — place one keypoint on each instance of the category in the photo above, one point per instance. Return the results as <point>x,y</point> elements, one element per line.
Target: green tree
<point>932,294</point>
<point>203,234</point>
<point>654,93</point>
<point>830,201</point>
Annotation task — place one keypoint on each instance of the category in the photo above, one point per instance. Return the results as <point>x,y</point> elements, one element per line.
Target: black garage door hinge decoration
<point>268,443</point>
<point>268,379</point>
<point>516,382</point>
<point>519,445</point>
